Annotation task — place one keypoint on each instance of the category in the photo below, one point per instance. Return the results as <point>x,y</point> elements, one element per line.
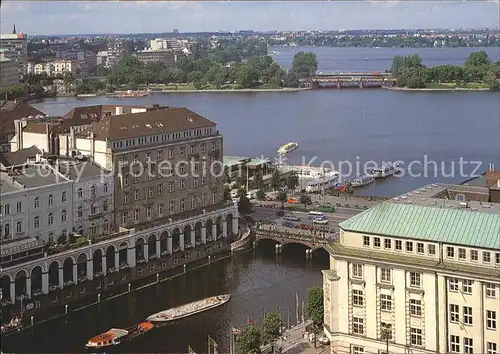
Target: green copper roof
<point>461,227</point>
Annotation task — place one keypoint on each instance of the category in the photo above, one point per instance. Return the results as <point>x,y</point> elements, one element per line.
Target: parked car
<point>288,224</point>
<point>280,213</point>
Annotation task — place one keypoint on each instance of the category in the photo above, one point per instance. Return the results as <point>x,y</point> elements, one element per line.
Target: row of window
<point>164,137</point>
<point>468,345</point>
<point>93,191</point>
<point>36,223</point>
<point>491,316</point>
<point>386,275</point>
<point>358,327</point>
<point>172,207</point>
<point>419,247</point>
<point>36,203</point>
<point>454,285</point>
<point>94,209</point>
<point>193,182</point>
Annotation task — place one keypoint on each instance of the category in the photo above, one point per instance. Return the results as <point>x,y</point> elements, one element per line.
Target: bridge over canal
<point>312,240</point>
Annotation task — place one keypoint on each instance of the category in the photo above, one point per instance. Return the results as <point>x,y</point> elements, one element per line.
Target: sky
<point>114,17</point>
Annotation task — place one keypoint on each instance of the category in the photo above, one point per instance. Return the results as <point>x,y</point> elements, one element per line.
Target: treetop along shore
<point>477,73</point>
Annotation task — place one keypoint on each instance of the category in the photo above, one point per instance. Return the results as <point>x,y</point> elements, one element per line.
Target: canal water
<point>332,125</point>
<point>258,281</point>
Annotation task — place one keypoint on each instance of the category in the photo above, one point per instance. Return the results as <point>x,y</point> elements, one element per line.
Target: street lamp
<point>386,334</point>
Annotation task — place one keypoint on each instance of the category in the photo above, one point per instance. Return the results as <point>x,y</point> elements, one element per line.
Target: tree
<point>276,179</point>
<point>258,180</point>
<point>314,305</point>
<point>292,181</point>
<point>247,76</point>
<point>196,78</point>
<point>227,193</point>
<point>271,327</point>
<point>227,177</point>
<point>477,59</point>
<point>244,204</point>
<point>249,340</point>
<point>261,195</point>
<point>305,199</point>
<point>282,197</point>
<point>304,64</point>
<point>491,80</point>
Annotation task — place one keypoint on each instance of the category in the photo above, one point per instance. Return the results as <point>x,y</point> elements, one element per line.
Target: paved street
<point>295,341</point>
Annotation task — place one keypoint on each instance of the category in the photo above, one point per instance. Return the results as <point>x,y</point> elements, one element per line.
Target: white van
<point>320,221</point>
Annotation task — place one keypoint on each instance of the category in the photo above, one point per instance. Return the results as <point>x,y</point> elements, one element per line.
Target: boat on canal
<point>128,94</point>
<point>363,180</point>
<point>190,309</point>
<point>387,169</point>
<point>288,147</point>
<point>116,336</point>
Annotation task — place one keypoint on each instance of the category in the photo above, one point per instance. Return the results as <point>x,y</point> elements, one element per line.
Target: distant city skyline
<point>63,18</point>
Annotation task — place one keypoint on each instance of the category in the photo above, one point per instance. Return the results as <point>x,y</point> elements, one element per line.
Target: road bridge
<point>346,80</point>
<point>312,239</point>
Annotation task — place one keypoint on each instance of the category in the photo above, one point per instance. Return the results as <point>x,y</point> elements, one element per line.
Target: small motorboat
<point>116,336</point>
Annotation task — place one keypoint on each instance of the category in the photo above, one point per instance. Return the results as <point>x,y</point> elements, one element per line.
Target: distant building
<point>16,46</point>
<point>87,60</point>
<point>102,58</point>
<point>54,67</point>
<point>167,57</point>
<point>177,45</point>
<point>9,71</point>
<point>116,52</point>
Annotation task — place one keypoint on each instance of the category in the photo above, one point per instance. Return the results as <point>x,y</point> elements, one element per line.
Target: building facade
<point>166,57</point>
<point>9,72</point>
<point>87,60</point>
<point>115,51</point>
<point>416,274</point>
<point>16,46</point>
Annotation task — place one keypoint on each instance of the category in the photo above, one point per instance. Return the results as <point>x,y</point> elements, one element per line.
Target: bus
<point>325,208</point>
<point>316,215</point>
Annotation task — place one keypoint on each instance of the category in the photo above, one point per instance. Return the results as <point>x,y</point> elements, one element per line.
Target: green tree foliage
<point>478,59</point>
<point>13,92</point>
<point>409,71</point>
<point>282,197</point>
<point>227,193</point>
<point>258,180</point>
<point>249,340</point>
<point>271,327</point>
<point>244,204</point>
<point>314,305</point>
<point>305,199</point>
<point>261,195</point>
<point>304,64</point>
<point>292,181</point>
<point>276,179</point>
<point>197,79</point>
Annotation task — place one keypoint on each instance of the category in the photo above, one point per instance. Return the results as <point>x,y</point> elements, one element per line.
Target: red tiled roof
<point>11,111</point>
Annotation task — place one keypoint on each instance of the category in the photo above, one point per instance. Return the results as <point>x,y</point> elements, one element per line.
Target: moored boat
<point>116,336</point>
<point>127,94</point>
<point>192,308</point>
<point>387,169</point>
<point>363,180</point>
<point>288,147</point>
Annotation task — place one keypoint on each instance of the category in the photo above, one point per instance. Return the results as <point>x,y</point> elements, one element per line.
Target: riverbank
<point>427,89</point>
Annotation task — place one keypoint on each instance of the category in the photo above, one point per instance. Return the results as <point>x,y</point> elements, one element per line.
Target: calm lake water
<point>333,125</point>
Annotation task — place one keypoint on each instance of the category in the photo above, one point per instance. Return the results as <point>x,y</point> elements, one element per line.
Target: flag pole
<point>297,308</point>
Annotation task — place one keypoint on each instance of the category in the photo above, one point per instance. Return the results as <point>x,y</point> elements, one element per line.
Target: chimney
<point>47,135</point>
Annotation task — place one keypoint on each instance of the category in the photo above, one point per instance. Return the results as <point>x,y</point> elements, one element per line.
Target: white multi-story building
<point>54,67</point>
<point>93,189</point>
<point>36,200</point>
<point>419,273</point>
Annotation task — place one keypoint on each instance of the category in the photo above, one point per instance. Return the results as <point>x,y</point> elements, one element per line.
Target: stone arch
<point>209,227</point>
<point>197,232</point>
<point>123,254</point>
<point>139,250</point>
<point>97,261</point>
<point>229,225</point>
<point>187,234</point>
<point>20,282</point>
<point>218,222</point>
<point>176,238</point>
<point>68,265</point>
<point>164,242</point>
<point>36,279</point>
<point>5,281</point>
<point>81,266</point>
<point>54,279</point>
<point>110,257</point>
<point>152,245</point>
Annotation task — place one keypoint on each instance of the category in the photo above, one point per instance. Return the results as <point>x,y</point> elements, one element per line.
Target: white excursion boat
<point>322,183</point>
<point>116,336</point>
<point>192,308</point>
<point>288,147</point>
<point>308,172</point>
<point>387,169</point>
<point>363,180</point>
